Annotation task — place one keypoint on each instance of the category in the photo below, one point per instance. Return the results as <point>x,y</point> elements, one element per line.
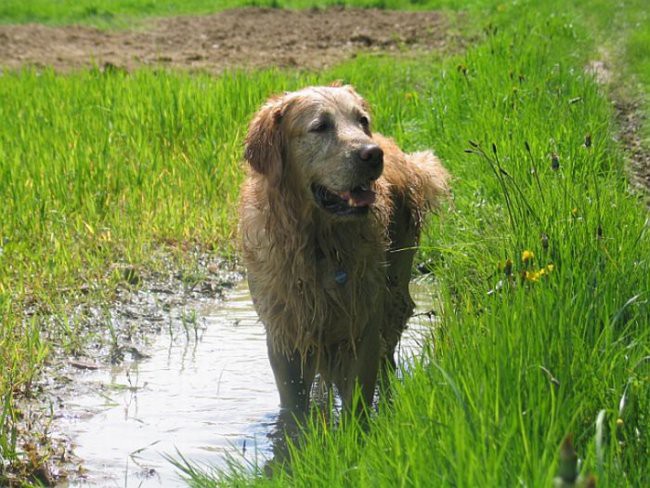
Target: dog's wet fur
<point>330,217</point>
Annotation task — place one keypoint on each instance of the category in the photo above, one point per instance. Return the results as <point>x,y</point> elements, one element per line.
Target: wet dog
<point>330,216</point>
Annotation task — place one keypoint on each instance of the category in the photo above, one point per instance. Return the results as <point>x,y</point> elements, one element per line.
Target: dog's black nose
<point>372,156</point>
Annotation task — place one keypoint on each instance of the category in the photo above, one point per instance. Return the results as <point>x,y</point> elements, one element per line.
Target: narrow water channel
<point>206,397</point>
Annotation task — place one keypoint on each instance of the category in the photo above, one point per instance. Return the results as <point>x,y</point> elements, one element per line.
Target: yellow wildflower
<point>527,256</point>
<point>531,276</point>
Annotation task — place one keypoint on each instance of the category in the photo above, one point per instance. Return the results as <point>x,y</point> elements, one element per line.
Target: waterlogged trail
<point>207,396</point>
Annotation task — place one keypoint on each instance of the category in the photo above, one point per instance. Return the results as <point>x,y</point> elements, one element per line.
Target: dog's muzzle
<point>353,202</point>
<point>369,162</point>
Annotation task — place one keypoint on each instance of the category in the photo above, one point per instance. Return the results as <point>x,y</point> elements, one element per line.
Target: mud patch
<point>247,38</point>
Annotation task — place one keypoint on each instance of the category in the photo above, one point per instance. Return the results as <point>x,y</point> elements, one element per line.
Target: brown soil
<point>631,118</point>
<point>247,38</point>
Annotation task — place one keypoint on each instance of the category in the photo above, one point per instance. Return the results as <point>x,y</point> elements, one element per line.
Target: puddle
<point>207,396</point>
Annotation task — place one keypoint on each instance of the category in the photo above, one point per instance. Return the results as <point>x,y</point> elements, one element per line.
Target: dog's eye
<point>321,126</point>
<point>363,120</point>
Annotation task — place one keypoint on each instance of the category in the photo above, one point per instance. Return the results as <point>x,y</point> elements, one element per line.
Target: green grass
<point>122,13</point>
<point>98,171</point>
<point>636,55</point>
<point>102,169</point>
<point>623,37</point>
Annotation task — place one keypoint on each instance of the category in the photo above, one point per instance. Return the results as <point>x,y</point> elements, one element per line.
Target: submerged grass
<point>541,261</point>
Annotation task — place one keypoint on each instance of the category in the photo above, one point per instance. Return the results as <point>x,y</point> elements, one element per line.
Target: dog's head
<point>318,141</point>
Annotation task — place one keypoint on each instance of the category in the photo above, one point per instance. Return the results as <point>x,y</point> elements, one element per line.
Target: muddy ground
<point>248,38</point>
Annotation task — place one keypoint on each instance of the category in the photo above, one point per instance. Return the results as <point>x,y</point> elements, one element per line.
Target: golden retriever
<point>330,215</point>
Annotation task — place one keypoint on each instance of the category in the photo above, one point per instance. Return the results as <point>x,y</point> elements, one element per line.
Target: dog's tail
<point>432,179</point>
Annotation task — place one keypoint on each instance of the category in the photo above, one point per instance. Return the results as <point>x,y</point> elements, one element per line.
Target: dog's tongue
<point>358,198</point>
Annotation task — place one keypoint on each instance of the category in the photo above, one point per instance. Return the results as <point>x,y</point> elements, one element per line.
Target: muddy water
<point>207,395</point>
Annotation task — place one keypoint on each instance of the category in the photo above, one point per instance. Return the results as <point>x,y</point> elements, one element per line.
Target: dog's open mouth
<point>352,202</point>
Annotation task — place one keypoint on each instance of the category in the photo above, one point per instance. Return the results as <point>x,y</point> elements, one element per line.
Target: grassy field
<point>122,13</point>
<point>541,263</point>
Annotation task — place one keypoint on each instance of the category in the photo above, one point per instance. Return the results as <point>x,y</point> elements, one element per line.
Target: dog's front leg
<point>360,369</point>
<point>294,375</point>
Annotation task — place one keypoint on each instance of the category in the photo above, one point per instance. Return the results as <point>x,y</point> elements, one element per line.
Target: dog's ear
<point>264,141</point>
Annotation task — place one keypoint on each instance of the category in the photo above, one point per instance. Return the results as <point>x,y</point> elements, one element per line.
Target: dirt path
<point>249,38</point>
<point>631,117</point>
